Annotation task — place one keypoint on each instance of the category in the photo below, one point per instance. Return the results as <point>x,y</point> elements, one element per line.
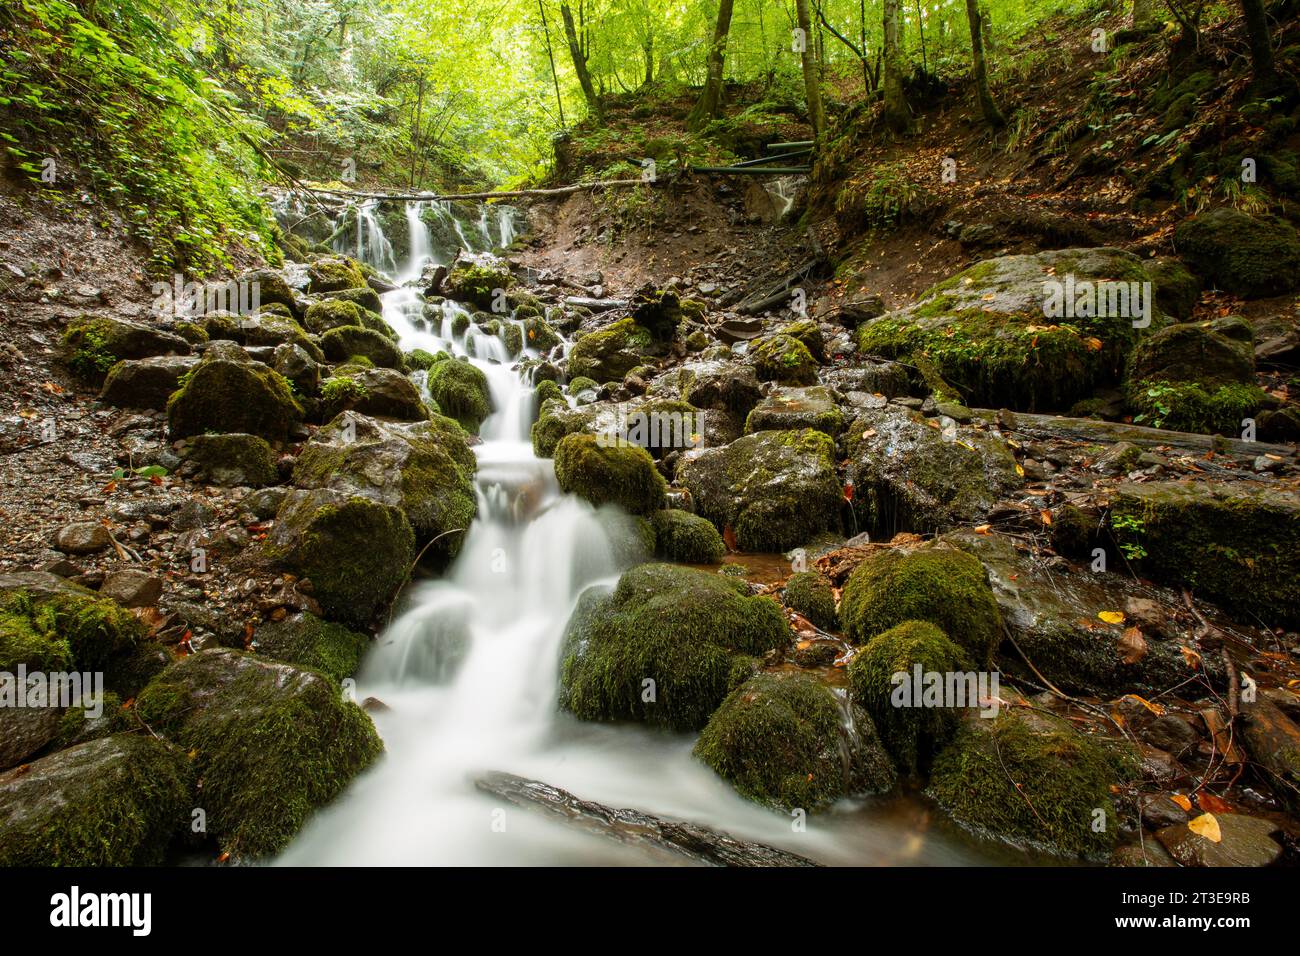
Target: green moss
<point>234,459</point>
<point>780,740</point>
<point>365,298</point>
<point>231,396</point>
<point>116,801</point>
<point>335,275</point>
<point>76,727</point>
<point>1193,407</point>
<point>609,354</point>
<point>1247,256</point>
<point>350,342</point>
<point>676,627</point>
<point>340,391</point>
<point>1032,781</point>
<point>811,594</point>
<point>686,538</point>
<point>192,332</point>
<point>539,334</point>
<point>65,632</point>
<point>420,360</point>
<point>782,358</point>
<point>807,332</point>
<point>322,317</point>
<point>478,281</point>
<point>624,476</point>
<point>461,391</point>
<point>943,586</point>
<point>582,384</point>
<point>271,743</point>
<point>88,351</point>
<point>546,391</point>
<point>911,734</point>
<point>309,642</point>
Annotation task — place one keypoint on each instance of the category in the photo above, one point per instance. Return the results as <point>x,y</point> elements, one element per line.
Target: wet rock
<point>117,801</point>
<point>81,537</point>
<point>25,731</point>
<point>297,367</point>
<point>477,278</point>
<point>908,475</point>
<point>1159,811</point>
<point>1247,256</point>
<point>785,359</point>
<point>94,344</point>
<point>232,460</point>
<point>1236,543</point>
<point>783,741</point>
<point>609,354</point>
<point>1177,290</point>
<point>271,743</point>
<point>145,383</point>
<point>193,514</point>
<point>1246,841</point>
<point>228,392</point>
<point>334,275</point>
<point>307,642</point>
<point>776,489</point>
<point>605,474</point>
<point>132,588</point>
<point>714,385</point>
<point>1148,853</point>
<point>272,289</point>
<point>346,342</point>
<point>786,408</point>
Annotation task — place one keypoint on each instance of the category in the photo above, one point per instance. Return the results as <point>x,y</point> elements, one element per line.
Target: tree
<point>706,107</point>
<point>992,115</point>
<point>579,61</point>
<point>1144,12</point>
<point>811,73</point>
<point>898,116</point>
<point>1261,46</point>
<point>550,55</point>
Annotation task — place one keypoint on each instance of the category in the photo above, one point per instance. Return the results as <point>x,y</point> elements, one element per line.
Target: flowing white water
<point>469,674</point>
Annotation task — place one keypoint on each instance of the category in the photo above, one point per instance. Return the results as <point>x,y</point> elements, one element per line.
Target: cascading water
<point>469,671</point>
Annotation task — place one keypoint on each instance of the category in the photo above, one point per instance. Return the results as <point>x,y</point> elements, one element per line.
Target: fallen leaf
<point>1192,658</point>
<point>1207,826</point>
<point>1212,804</point>
<point>1111,617</point>
<point>1132,645</point>
<point>1181,800</point>
<point>982,528</point>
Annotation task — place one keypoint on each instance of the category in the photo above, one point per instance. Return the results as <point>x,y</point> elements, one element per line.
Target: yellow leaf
<point>1020,470</point>
<point>1154,708</point>
<point>982,529</point>
<point>1181,800</point>
<point>1206,825</point>
<point>1112,617</point>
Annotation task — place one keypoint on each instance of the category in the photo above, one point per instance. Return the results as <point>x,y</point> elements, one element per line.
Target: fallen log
<point>509,194</point>
<point>596,305</point>
<point>634,828</point>
<point>779,292</point>
<point>1104,432</point>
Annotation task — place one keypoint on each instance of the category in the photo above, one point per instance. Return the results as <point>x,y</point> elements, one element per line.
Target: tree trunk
<point>706,108</point>
<point>992,114</point>
<point>1261,46</point>
<point>811,75</point>
<point>897,114</point>
<point>579,61</point>
<point>550,55</point>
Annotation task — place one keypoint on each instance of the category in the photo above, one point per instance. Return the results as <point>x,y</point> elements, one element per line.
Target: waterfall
<point>372,246</point>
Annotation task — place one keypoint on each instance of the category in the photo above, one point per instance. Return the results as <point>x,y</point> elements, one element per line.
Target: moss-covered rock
<point>356,551</point>
<point>1219,352</point>
<point>661,648</point>
<point>686,538</point>
<point>322,317</point>
<point>342,344</point>
<point>461,391</point>
<point>783,358</point>
<point>609,474</point>
<point>1033,780</point>
<point>912,734</point>
<point>307,642</point>
<point>1177,290</point>
<point>364,298</point>
<point>539,334</point>
<point>116,801</point>
<point>147,382</point>
<point>272,743</point>
<point>937,584</point>
<point>232,460</point>
<point>783,408</point>
<point>478,279</point>
<point>988,331</point>
<point>382,392</point>
<point>267,328</point>
<point>334,274</point>
<point>547,390</point>
<point>228,392</point>
<point>272,289</point>
<point>612,352</point>
<point>425,469</point>
<point>1236,543</point>
<point>723,386</point>
<point>94,344</point>
<point>1241,254</point>
<point>783,741</point>
<point>812,595</point>
<point>776,489</point>
<point>421,360</point>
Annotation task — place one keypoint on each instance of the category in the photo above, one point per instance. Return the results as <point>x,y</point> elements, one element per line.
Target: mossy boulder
<point>1035,781</point>
<point>1235,543</point>
<point>686,538</point>
<point>364,298</point>
<point>232,460</point>
<point>610,353</point>
<point>1177,290</point>
<point>271,743</point>
<point>910,473</point>
<point>334,274</point>
<point>344,343</point>
<point>147,382</point>
<point>775,489</point>
<point>461,391</point>
<point>811,594</point>
<point>424,469</point>
<point>229,392</point>
<point>784,741</point>
<point>723,386</point>
<point>477,279</point>
<point>991,330</point>
<point>381,392</point>
<point>116,801</point>
<point>539,334</point>
<point>94,344</point>
<point>307,642</point>
<point>1193,407</point>
<point>555,419</point>
<point>322,317</point>
<point>272,289</point>
<point>1247,256</point>
<point>546,391</point>
<point>937,584</point>
<point>911,731</point>
<point>664,647</point>
<point>604,473</point>
<point>271,328</point>
<point>783,358</point>
<point>355,551</point>
<point>783,408</point>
